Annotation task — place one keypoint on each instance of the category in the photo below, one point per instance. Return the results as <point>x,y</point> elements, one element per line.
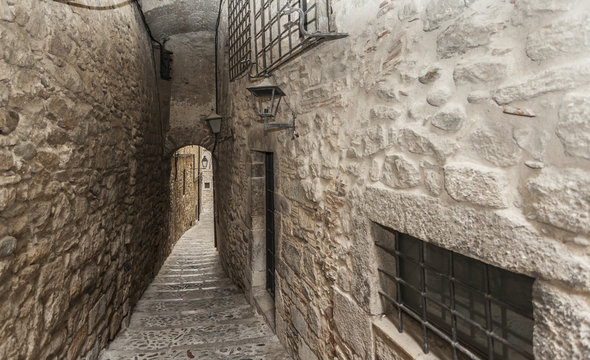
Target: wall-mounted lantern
<point>204,162</point>
<point>214,121</point>
<point>266,99</point>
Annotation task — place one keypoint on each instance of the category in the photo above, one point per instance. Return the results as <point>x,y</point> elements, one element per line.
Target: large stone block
<point>6,160</point>
<point>486,234</point>
<point>292,256</point>
<point>496,145</point>
<point>399,172</point>
<point>450,118</point>
<point>562,323</point>
<point>298,321</point>
<point>418,141</point>
<point>438,95</point>
<point>466,33</point>
<point>8,121</point>
<point>552,80</point>
<point>368,141</point>
<point>573,128</point>
<point>353,324</point>
<point>476,184</point>
<point>7,246</point>
<point>306,353</point>
<point>564,37</point>
<point>480,71</point>
<point>561,197</point>
<point>542,7</point>
<point>439,11</point>
<point>534,141</point>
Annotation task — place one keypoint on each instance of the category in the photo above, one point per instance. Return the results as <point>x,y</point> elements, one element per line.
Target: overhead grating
<point>286,28</point>
<point>239,37</point>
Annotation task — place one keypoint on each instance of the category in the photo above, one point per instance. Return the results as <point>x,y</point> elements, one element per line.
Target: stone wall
<point>207,183</point>
<point>184,191</point>
<point>192,89</point>
<point>187,28</point>
<point>463,123</point>
<point>83,183</point>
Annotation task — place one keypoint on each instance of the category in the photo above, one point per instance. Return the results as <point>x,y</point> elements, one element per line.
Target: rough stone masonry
<point>464,123</point>
<point>83,180</point>
<point>461,122</point>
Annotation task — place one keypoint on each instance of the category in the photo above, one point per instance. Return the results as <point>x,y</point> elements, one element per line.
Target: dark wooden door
<point>270,224</point>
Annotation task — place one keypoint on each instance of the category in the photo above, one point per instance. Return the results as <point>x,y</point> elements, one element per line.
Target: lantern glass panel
<point>215,125</point>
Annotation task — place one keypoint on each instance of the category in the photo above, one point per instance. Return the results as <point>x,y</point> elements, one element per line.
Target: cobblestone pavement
<point>193,311</point>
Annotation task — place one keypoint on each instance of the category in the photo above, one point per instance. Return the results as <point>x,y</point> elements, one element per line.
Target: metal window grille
<point>284,29</point>
<point>239,37</point>
<point>481,311</point>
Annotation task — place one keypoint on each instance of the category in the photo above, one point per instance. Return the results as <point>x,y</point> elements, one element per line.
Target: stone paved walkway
<point>193,311</point>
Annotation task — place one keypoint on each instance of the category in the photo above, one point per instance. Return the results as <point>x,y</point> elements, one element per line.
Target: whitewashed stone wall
<point>463,123</point>
<point>83,180</point>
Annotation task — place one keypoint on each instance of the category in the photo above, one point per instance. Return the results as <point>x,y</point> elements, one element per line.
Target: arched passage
<point>190,188</point>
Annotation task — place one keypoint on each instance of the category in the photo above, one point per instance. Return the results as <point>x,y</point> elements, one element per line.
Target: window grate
<point>481,311</point>
<point>239,37</point>
<point>280,34</point>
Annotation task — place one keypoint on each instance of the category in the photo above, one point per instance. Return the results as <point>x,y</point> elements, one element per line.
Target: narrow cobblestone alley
<point>193,311</point>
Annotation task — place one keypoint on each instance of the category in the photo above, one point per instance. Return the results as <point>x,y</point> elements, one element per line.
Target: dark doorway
<point>270,224</point>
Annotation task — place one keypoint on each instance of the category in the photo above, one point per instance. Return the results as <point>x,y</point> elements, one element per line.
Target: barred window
<point>239,37</point>
<point>285,28</point>
<point>479,311</point>
<point>278,30</point>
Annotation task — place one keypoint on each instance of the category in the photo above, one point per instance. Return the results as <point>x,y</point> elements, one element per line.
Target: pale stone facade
<point>463,123</point>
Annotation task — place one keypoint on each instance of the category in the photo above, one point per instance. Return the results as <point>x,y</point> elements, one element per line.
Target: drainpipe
<point>217,111</point>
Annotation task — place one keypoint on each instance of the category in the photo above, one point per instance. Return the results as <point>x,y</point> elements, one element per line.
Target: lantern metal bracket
<point>268,125</point>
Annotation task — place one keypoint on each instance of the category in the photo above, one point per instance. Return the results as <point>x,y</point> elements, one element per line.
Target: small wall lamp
<point>214,121</point>
<point>266,99</point>
<point>204,162</point>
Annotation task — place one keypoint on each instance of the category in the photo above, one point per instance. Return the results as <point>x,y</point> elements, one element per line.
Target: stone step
<point>181,278</point>
<point>192,294</point>
<point>202,257</point>
<point>192,265</point>
<point>170,338</point>
<point>192,310</point>
<point>253,349</point>
<point>183,284</point>
<point>178,306</point>
<point>190,271</point>
<point>188,318</point>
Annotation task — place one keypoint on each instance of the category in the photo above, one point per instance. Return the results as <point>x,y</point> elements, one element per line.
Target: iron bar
<point>452,300</point>
<point>239,29</point>
<point>446,276</point>
<point>398,294</point>
<point>457,338</point>
<point>488,310</point>
<point>430,327</point>
<point>270,32</point>
<point>423,292</point>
